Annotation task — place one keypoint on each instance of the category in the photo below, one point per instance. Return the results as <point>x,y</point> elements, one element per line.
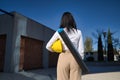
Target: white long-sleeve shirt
<point>74,36</point>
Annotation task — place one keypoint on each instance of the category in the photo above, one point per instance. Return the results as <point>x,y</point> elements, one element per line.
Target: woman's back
<point>74,36</point>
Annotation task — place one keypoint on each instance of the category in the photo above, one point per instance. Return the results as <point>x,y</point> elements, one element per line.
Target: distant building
<point>22,44</point>
<point>117,56</point>
<point>90,56</point>
<point>93,56</point>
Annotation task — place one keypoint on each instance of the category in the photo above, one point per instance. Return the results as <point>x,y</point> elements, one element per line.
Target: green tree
<point>88,44</point>
<point>110,55</point>
<point>99,44</point>
<point>100,49</point>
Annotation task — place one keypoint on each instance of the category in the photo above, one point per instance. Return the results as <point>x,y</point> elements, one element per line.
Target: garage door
<point>2,50</point>
<point>30,53</point>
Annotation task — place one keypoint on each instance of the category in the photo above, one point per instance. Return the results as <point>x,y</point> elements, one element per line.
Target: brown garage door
<point>30,53</point>
<point>2,50</point>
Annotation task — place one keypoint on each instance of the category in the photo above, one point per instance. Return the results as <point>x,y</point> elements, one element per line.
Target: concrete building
<point>22,44</point>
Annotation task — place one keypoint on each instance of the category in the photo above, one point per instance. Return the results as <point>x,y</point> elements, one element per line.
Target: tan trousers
<point>67,67</point>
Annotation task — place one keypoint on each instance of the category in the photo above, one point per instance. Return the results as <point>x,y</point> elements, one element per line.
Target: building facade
<point>22,44</point>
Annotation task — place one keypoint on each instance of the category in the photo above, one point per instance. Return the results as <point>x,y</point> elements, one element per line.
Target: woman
<point>67,67</point>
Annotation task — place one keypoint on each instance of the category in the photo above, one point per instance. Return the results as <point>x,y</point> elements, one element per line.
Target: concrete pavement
<point>102,76</point>
<point>97,73</point>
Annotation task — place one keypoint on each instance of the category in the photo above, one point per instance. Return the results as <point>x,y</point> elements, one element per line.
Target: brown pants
<point>67,68</point>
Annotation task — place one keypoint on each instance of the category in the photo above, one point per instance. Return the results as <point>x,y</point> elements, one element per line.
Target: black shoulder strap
<point>74,52</point>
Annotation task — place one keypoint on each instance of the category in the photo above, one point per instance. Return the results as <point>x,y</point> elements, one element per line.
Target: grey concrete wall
<point>16,26</point>
<point>20,23</point>
<point>6,27</point>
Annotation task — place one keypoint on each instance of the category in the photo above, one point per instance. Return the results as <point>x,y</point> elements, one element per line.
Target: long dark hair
<point>67,21</point>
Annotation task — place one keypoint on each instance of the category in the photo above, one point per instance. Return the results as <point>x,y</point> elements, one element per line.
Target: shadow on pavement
<point>41,74</point>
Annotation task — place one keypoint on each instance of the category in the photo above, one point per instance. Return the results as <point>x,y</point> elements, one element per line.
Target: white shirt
<point>74,36</point>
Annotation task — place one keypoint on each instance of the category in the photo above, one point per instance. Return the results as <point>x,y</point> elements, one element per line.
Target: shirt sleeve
<point>50,42</point>
<point>80,46</point>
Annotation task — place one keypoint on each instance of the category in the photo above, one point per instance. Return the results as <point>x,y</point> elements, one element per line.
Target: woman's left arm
<point>81,46</point>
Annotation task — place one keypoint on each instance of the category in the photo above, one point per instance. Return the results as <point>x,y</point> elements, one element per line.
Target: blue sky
<point>89,15</point>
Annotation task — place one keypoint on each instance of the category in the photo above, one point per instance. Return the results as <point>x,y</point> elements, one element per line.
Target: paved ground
<point>97,73</point>
<point>103,73</point>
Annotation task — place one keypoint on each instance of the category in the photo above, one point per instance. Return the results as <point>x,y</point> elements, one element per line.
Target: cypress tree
<point>110,54</point>
<point>100,49</point>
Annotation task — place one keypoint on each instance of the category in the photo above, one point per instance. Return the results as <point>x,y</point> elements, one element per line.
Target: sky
<point>90,15</point>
